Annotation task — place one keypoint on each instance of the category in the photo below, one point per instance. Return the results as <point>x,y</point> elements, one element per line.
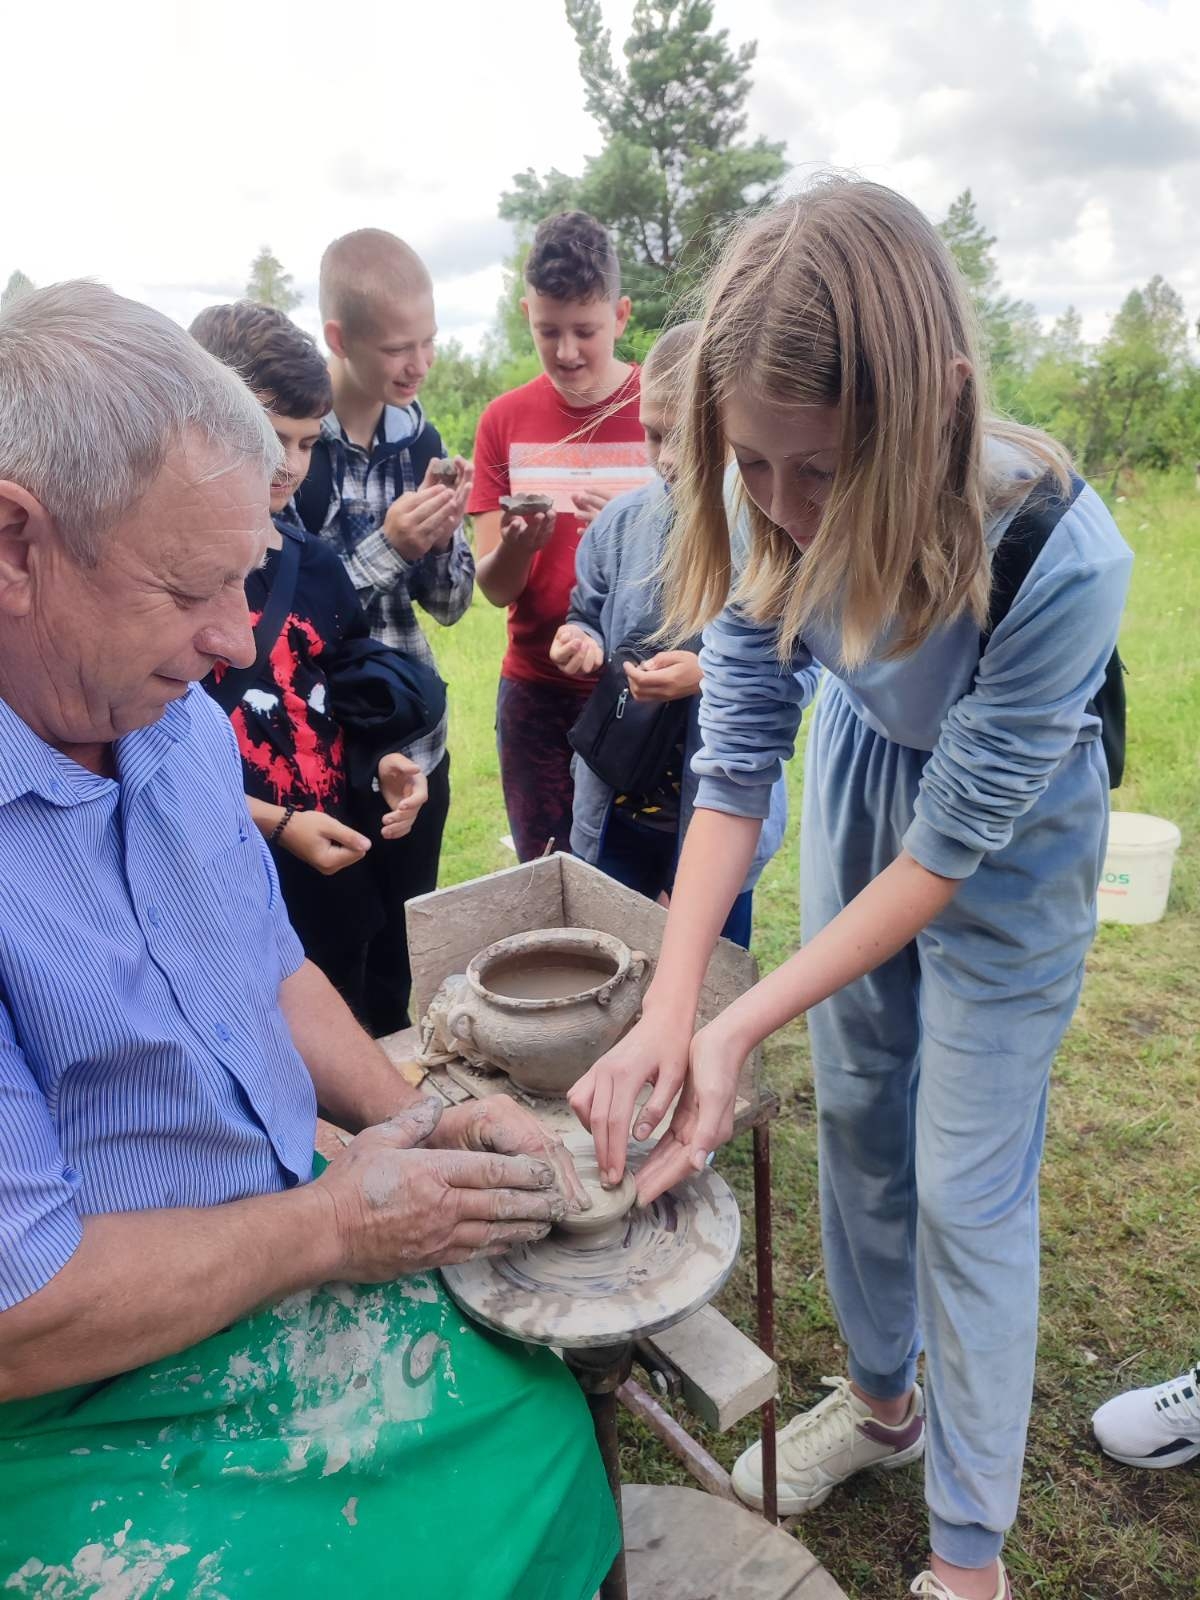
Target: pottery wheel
<point>664,1262</point>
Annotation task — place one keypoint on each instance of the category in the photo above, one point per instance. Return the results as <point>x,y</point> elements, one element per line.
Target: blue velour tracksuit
<point>932,1071</point>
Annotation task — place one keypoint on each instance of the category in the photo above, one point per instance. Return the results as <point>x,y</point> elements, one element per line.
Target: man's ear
<point>20,517</point>
<point>624,309</point>
<point>524,305</point>
<point>333,338</point>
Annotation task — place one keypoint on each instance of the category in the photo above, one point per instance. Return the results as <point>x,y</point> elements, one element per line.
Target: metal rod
<point>764,1295</point>
<point>707,1470</point>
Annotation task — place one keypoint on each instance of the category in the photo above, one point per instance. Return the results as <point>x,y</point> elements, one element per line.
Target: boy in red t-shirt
<point>573,434</point>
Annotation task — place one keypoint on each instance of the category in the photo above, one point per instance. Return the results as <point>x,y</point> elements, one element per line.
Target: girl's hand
<point>575,652</point>
<point>604,1097</point>
<point>704,1116</point>
<point>589,503</point>
<point>405,790</point>
<point>670,675</point>
<point>323,842</point>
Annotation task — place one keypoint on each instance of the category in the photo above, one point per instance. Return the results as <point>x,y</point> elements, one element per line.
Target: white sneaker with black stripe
<point>1156,1427</point>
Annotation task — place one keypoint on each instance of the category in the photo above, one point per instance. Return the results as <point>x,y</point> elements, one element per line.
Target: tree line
<point>676,168</point>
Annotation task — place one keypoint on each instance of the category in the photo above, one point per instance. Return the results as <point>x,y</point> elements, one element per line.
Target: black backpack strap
<point>1022,542</point>
<point>237,680</point>
<point>326,475</point>
<point>1020,545</point>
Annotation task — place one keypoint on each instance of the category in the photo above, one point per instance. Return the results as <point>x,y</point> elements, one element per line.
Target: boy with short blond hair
<point>573,434</point>
<point>378,494</point>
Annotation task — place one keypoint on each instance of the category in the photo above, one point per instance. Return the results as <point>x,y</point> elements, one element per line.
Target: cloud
<point>1075,122</point>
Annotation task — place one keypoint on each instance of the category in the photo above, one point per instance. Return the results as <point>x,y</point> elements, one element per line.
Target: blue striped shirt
<point>144,1058</point>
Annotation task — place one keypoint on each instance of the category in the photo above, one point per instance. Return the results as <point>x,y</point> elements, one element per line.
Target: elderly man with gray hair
<point>219,1374</point>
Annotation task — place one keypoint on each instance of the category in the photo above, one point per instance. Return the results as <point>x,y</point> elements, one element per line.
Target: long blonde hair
<point>845,295</point>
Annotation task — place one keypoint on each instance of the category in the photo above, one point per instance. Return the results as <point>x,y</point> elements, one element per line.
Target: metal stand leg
<point>600,1373</point>
<point>765,1301</point>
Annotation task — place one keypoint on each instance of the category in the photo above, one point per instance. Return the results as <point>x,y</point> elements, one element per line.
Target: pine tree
<point>675,167</point>
<point>1009,328</point>
<point>269,284</point>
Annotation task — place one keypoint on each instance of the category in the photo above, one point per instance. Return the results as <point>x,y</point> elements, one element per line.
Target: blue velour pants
<point>931,1080</point>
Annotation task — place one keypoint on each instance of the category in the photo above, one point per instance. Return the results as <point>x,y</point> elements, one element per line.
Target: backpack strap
<point>326,474</point>
<point>235,682</point>
<point>1021,543</point>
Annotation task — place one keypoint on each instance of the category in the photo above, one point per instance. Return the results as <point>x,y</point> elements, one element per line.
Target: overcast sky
<point>157,145</point>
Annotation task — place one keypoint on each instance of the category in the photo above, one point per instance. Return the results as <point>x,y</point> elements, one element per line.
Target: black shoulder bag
<point>237,680</point>
<point>627,743</point>
<point>1022,542</point>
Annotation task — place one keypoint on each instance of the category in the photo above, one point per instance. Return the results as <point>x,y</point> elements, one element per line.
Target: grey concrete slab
<point>683,1544</point>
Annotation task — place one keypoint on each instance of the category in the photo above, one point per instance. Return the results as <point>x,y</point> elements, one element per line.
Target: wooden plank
<point>725,1375</point>
<point>683,1544</point>
<point>449,926</point>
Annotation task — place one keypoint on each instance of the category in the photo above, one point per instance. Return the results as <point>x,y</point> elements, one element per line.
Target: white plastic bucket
<point>1137,868</point>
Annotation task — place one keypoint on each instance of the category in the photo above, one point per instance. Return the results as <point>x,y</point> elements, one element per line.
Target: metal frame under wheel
<point>603,1374</point>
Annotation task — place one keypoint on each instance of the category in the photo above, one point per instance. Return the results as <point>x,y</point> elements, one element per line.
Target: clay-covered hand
<point>589,503</point>
<point>405,790</point>
<point>526,535</point>
<point>670,675</point>
<point>424,520</point>
<point>574,652</point>
<point>499,1123</point>
<point>604,1098</point>
<point>703,1118</point>
<point>396,1208</point>
<point>323,842</point>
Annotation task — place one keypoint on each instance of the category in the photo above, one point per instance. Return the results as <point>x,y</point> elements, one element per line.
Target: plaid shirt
<point>364,485</point>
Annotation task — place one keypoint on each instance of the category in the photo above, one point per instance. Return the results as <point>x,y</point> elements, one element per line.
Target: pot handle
<point>634,973</point>
<point>458,1020</point>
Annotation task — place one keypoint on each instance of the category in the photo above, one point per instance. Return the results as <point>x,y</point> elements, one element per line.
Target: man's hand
<point>405,790</point>
<point>500,1124</point>
<point>425,520</point>
<point>398,1209</point>
<point>323,842</point>
<point>526,535</point>
<point>670,675</point>
<point>575,652</point>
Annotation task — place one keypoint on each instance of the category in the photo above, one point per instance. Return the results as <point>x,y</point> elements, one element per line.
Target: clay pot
<point>545,1006</point>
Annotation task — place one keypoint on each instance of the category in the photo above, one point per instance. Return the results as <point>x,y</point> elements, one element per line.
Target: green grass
<point>1121,1185</point>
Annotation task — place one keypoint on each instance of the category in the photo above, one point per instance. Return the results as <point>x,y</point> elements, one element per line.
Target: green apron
<point>348,1441</point>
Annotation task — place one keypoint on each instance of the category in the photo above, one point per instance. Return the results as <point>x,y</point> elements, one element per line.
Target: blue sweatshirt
<point>616,597</point>
<point>996,726</point>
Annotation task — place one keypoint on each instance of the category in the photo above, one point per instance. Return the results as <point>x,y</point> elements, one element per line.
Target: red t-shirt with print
<point>531,440</point>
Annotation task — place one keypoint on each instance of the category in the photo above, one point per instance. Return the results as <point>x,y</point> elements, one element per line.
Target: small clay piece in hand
<point>526,505</point>
<point>443,471</point>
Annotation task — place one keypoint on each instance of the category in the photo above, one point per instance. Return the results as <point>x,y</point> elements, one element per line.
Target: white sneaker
<point>1156,1427</point>
<point>823,1447</point>
<point>930,1588</point>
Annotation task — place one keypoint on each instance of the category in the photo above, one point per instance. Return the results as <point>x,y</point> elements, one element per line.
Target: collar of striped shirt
<point>28,765</point>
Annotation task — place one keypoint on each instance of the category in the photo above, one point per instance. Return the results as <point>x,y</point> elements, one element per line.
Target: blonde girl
<point>955,812</point>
